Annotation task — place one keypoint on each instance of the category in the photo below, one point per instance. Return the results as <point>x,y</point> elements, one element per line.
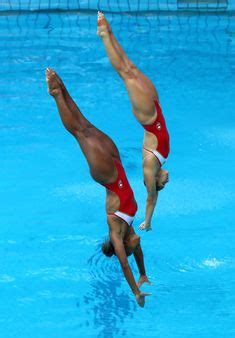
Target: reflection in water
<point>107,302</point>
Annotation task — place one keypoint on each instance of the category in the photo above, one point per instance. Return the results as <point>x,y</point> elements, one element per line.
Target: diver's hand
<point>140,298</point>
<point>144,226</point>
<point>143,279</point>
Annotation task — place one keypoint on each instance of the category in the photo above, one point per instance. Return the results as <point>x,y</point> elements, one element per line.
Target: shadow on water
<point>106,301</point>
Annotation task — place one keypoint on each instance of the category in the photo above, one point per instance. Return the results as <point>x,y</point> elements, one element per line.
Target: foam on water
<point>213,263</point>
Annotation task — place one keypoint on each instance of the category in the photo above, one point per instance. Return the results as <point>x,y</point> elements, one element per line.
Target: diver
<point>147,110</point>
<point>106,168</point>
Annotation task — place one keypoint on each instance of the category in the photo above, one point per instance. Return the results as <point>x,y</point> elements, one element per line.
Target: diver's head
<point>162,179</point>
<point>107,248</point>
<point>130,245</point>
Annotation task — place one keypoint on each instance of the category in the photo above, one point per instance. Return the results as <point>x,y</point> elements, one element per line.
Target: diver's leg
<point>70,102</point>
<point>103,26</point>
<point>72,122</point>
<point>67,100</point>
<point>97,147</point>
<point>141,90</point>
<point>107,142</point>
<point>114,56</point>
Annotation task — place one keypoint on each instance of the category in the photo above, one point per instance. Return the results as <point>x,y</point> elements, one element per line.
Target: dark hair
<point>107,248</point>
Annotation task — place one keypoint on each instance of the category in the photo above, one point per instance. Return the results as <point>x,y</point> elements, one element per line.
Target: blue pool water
<point>54,282</point>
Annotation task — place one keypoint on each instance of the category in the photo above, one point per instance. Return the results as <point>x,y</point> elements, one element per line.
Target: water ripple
<point>6,278</point>
<point>60,273</point>
<point>112,304</point>
<point>77,238</point>
<point>192,265</point>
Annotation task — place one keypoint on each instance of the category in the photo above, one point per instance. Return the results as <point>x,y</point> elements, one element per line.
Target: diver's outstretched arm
<point>117,241</point>
<point>139,258</point>
<point>151,168</point>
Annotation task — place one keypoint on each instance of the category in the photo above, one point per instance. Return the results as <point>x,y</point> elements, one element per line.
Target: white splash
<point>212,263</point>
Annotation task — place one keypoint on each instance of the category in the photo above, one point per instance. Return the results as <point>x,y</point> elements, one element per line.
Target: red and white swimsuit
<point>122,189</point>
<point>158,128</point>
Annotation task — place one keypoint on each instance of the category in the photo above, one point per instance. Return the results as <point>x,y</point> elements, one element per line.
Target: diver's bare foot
<point>53,82</point>
<point>103,29</point>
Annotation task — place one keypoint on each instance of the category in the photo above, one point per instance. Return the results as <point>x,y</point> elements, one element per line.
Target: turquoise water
<point>54,281</point>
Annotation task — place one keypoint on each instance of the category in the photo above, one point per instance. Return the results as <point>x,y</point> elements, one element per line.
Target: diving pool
<point>54,281</point>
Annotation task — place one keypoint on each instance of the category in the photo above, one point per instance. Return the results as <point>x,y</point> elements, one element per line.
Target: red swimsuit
<point>158,128</point>
<point>122,189</point>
